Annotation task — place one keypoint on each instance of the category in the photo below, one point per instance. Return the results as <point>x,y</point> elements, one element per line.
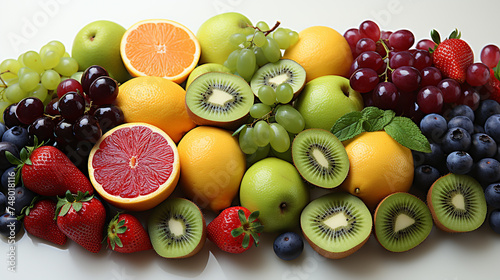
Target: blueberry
<point>6,146</point>
<point>488,170</point>
<point>5,178</point>
<point>462,110</point>
<point>9,225</point>
<point>495,220</point>
<point>483,146</point>
<point>433,126</point>
<point>492,127</point>
<point>16,135</point>
<point>288,246</point>
<point>3,128</point>
<point>486,109</point>
<point>463,122</point>
<point>478,128</point>
<point>22,198</point>
<point>456,139</point>
<point>3,203</point>
<point>459,162</point>
<point>492,195</point>
<point>425,175</point>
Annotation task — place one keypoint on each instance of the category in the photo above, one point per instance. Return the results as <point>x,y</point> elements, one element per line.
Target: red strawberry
<point>82,219</point>
<point>493,85</point>
<point>452,56</point>
<point>39,221</point>
<point>47,171</point>
<point>126,235</point>
<point>235,229</point>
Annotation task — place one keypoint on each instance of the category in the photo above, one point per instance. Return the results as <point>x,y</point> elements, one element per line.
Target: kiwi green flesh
<point>176,228</point>
<point>274,74</point>
<point>218,96</point>
<point>320,158</point>
<point>457,203</point>
<point>336,223</point>
<point>401,222</point>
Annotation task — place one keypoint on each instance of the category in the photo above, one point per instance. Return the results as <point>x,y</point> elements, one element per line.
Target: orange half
<point>134,166</point>
<point>161,48</point>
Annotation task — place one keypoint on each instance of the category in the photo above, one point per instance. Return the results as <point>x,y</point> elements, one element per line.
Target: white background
<point>27,25</point>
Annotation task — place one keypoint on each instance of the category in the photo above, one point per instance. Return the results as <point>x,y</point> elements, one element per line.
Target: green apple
<point>214,34</point>
<point>98,43</point>
<point>274,187</point>
<point>205,68</point>
<point>325,99</point>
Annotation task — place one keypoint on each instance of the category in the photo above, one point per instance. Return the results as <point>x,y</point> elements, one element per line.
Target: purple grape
<point>451,90</point>
<point>9,116</point>
<point>103,90</point>
<point>42,128</point>
<point>52,107</point>
<point>369,29</point>
<point>90,75</point>
<point>64,132</point>
<point>422,59</point>
<point>431,76</point>
<point>372,60</point>
<point>478,74</point>
<point>430,100</point>
<point>71,106</point>
<point>364,80</point>
<point>86,128</point>
<point>402,58</point>
<point>29,109</point>
<point>109,117</point>
<point>385,96</point>
<point>406,78</point>
<point>401,40</point>
<point>364,45</point>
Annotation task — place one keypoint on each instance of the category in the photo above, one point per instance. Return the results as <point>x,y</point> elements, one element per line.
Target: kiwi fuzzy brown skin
<point>335,255</point>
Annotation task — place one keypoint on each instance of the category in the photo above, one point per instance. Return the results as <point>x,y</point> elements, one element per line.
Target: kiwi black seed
<point>457,203</point>
<point>402,221</point>
<point>336,224</point>
<point>276,73</point>
<point>219,99</point>
<point>177,228</point>
<point>320,158</point>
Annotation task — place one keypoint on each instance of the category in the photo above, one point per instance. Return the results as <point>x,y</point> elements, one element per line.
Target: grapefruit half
<point>134,166</point>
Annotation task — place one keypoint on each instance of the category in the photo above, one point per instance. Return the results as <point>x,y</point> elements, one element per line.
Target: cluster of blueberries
<point>467,142</point>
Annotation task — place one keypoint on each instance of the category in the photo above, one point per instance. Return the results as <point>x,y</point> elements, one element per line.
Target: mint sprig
<point>370,119</point>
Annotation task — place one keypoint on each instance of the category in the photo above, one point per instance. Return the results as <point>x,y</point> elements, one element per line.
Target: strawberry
<point>493,85</point>
<point>47,171</point>
<point>235,229</point>
<point>452,56</point>
<point>39,221</point>
<point>126,235</point>
<point>81,218</point>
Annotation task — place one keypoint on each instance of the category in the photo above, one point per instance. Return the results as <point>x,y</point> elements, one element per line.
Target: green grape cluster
<point>35,74</point>
<point>273,121</point>
<point>259,48</point>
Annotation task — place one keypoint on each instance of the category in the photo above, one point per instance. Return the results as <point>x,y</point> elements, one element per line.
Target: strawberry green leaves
<point>71,201</point>
<point>249,227</point>
<point>402,129</point>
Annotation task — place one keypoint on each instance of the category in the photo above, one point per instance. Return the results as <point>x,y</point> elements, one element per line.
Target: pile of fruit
<point>247,122</point>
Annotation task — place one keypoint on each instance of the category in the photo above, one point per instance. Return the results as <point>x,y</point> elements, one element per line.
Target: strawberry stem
<point>250,227</point>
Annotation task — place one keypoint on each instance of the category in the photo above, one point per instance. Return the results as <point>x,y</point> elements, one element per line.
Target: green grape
<point>259,39</point>
<point>11,67</point>
<point>50,59</point>
<point>67,66</point>
<point>3,105</point>
<point>281,37</point>
<point>280,140</point>
<point>267,95</point>
<point>24,70</point>
<point>261,153</point>
<point>294,37</point>
<point>39,92</point>
<point>20,60</point>
<point>28,81</point>
<point>271,50</point>
<point>259,110</point>
<point>261,135</point>
<point>287,30</point>
<point>14,94</point>
<point>284,93</point>
<point>232,59</point>
<point>77,76</point>
<point>33,60</point>
<point>246,141</point>
<point>50,79</point>
<point>57,47</point>
<point>66,54</point>
<point>237,39</point>
<point>11,81</point>
<point>260,58</point>
<point>290,118</point>
<point>262,26</point>
<point>245,64</point>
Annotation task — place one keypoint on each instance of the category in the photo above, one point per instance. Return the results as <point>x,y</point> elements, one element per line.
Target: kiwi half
<point>402,221</point>
<point>320,158</point>
<point>219,99</point>
<point>177,228</point>
<point>457,203</point>
<point>336,225</point>
<point>275,73</point>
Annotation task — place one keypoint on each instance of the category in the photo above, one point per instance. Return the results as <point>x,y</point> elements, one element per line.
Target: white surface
<point>27,25</point>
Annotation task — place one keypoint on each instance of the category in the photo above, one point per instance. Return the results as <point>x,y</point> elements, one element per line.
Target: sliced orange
<point>134,166</point>
<point>161,48</point>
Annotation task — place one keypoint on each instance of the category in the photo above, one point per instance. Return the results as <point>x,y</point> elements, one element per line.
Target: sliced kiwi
<point>457,203</point>
<point>402,221</point>
<point>177,228</point>
<point>219,99</point>
<point>336,225</point>
<point>274,74</point>
<point>320,158</point>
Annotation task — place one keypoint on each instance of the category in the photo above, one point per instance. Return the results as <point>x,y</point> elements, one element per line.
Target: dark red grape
<point>86,128</point>
<point>52,107</point>
<point>406,78</point>
<point>470,97</point>
<point>367,99</point>
<point>431,76</point>
<point>364,80</point>
<point>490,55</point>
<point>64,132</point>
<point>384,35</point>
<point>422,59</point>
<point>369,29</point>
<point>103,90</point>
<point>401,40</point>
<point>451,90</point>
<point>371,60</point>
<point>42,128</point>
<point>71,106</point>
<point>402,58</point>
<point>430,100</point>
<point>352,37</point>
<point>109,117</point>
<point>385,96</point>
<point>364,45</point>
<point>29,109</point>
<point>90,75</point>
<point>478,74</point>
<point>69,85</point>
<point>379,48</point>
<point>425,44</point>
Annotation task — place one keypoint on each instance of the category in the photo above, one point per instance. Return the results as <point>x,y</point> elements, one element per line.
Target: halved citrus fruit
<point>161,48</point>
<point>134,166</point>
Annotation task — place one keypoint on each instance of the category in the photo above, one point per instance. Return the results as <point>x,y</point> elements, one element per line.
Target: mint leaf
<point>348,126</point>
<point>407,133</point>
<point>375,119</point>
<point>384,120</point>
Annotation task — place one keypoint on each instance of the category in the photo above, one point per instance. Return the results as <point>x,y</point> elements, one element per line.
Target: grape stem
<point>267,32</point>
<point>387,67</point>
